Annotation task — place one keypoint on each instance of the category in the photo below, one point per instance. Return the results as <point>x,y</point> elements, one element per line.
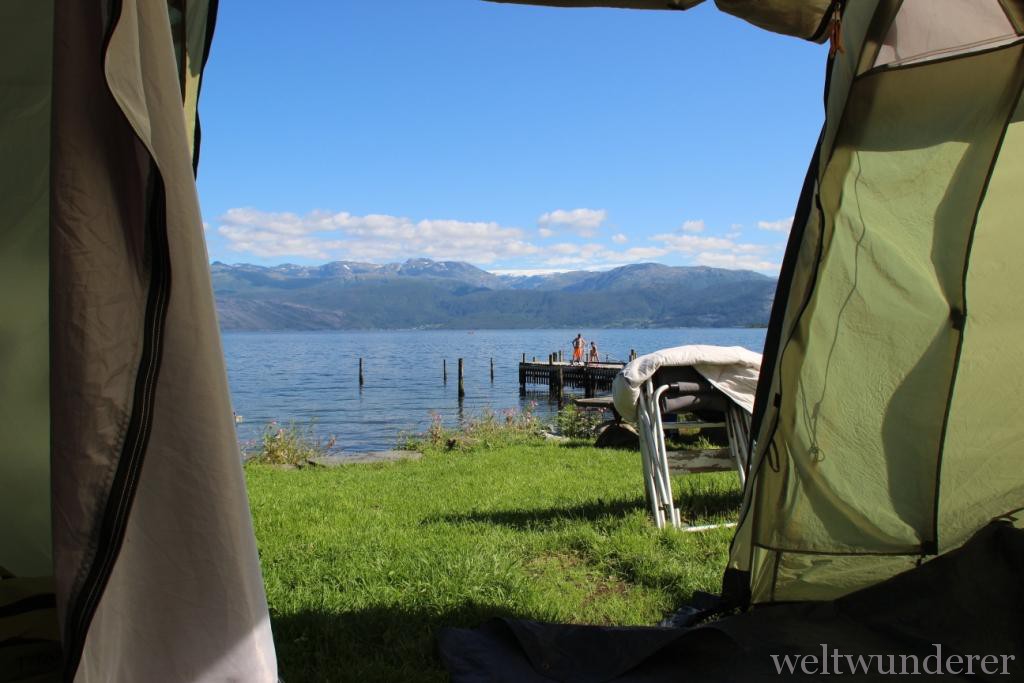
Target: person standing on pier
<point>579,344</point>
<point>594,357</point>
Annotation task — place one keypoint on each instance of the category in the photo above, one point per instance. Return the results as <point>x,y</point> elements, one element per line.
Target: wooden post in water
<point>462,386</point>
<point>492,371</point>
<point>522,377</point>
<point>444,370</point>
<point>360,372</point>
<point>524,357</point>
<point>560,356</point>
<point>561,385</point>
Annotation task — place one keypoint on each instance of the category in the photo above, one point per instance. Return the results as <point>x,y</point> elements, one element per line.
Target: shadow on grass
<point>589,443</point>
<point>709,503</point>
<point>693,504</point>
<point>531,519</point>
<point>387,643</point>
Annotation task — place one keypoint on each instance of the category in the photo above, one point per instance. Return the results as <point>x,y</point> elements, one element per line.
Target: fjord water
<point>311,378</point>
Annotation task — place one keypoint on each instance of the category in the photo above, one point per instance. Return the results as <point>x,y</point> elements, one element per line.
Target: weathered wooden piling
<point>561,386</point>
<point>492,371</point>
<point>444,370</point>
<point>462,386</point>
<point>360,372</point>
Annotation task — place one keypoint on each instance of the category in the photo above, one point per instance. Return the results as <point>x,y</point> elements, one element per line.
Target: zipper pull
<point>835,32</point>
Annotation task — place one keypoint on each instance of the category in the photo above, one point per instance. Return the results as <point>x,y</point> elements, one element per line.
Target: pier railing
<point>559,375</point>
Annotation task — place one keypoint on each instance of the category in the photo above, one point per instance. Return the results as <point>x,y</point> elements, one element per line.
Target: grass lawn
<point>364,563</point>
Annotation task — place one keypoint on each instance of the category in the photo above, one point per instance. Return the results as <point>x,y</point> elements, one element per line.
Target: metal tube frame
<point>654,456</point>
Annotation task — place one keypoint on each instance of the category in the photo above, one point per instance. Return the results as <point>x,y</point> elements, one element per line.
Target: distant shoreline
<point>231,330</point>
<point>424,295</point>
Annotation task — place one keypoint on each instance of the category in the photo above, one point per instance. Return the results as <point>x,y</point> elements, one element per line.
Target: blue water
<point>311,378</point>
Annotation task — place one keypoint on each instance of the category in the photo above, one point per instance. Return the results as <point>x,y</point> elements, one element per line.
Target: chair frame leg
<point>654,456</point>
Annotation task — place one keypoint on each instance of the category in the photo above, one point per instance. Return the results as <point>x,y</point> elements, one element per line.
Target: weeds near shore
<point>577,424</point>
<point>293,445</point>
<point>489,430</point>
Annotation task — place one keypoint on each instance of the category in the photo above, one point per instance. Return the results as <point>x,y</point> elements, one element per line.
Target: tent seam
<point>888,68</point>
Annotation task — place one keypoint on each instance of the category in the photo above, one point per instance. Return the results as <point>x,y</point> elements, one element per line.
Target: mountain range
<point>422,293</point>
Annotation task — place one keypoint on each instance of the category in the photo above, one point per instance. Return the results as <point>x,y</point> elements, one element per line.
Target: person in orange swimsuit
<point>578,345</point>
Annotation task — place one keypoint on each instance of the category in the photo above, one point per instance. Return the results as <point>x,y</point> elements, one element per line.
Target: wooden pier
<point>559,375</point>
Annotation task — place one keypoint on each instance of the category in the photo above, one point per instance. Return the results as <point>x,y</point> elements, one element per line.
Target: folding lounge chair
<point>676,391</point>
<point>667,383</point>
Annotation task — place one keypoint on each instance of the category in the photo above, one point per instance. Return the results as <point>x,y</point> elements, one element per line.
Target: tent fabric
<point>884,374</point>
<point>26,29</point>
<point>733,370</point>
<point>151,572</point>
<point>969,602</point>
<point>99,284</point>
<point>29,638</point>
<point>806,19</point>
<point>932,29</point>
<point>201,613</point>
<point>618,4</point>
<point>151,483</point>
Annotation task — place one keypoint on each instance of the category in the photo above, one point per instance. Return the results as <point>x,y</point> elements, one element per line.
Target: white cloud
<point>735,261</point>
<point>322,235</point>
<point>692,226</point>
<point>643,253</point>
<point>595,256</point>
<point>563,248</point>
<point>781,225</point>
<point>583,222</point>
<point>690,244</point>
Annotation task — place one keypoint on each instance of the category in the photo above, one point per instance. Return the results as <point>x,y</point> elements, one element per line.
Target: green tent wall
<point>888,430</point>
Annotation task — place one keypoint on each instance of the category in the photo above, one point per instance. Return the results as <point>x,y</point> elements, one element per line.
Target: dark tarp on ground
<point>970,601</point>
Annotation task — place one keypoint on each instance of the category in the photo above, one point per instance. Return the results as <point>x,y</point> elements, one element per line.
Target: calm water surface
<point>311,378</point>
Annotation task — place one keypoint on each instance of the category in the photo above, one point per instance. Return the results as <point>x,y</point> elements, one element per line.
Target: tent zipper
<point>115,515</point>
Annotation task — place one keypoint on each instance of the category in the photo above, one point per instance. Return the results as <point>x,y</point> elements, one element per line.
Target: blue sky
<point>517,138</point>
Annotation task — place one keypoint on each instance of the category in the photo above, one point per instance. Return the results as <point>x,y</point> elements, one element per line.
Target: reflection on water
<point>305,377</point>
